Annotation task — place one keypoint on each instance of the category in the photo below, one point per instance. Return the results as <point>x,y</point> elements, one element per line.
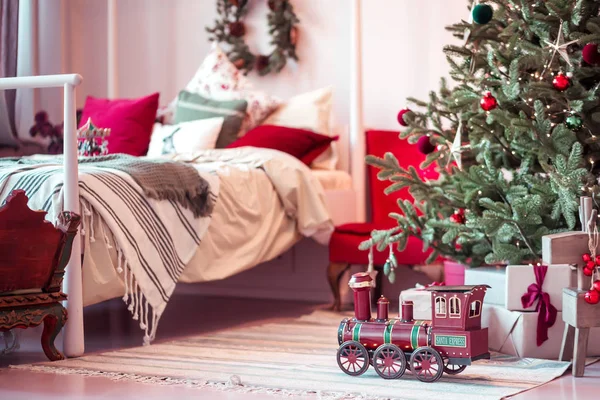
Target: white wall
<point>162,42</point>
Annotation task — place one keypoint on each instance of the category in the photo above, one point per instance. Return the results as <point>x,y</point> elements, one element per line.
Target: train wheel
<point>426,364</point>
<point>389,361</point>
<point>353,358</point>
<point>453,369</point>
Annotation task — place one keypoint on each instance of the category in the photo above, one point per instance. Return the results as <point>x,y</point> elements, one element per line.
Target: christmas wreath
<point>230,29</point>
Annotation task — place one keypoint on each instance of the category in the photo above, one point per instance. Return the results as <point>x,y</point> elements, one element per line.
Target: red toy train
<point>448,343</point>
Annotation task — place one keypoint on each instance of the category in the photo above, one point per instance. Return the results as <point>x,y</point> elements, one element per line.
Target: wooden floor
<point>108,326</point>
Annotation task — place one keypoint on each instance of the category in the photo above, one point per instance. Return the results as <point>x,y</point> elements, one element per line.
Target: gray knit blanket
<point>159,179</point>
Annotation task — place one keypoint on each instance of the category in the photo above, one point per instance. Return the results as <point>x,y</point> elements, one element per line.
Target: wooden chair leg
<point>334,274</point>
<point>566,350</point>
<point>53,323</point>
<point>581,342</point>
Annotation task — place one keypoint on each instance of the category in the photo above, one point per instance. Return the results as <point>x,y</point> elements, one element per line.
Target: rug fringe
<point>233,385</point>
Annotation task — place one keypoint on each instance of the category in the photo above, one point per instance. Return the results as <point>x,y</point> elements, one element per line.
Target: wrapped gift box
<point>519,277</point>
<point>495,277</point>
<point>422,302</point>
<point>514,333</point>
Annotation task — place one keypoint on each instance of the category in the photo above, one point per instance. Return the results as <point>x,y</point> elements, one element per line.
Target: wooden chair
<point>32,265</point>
<point>343,246</point>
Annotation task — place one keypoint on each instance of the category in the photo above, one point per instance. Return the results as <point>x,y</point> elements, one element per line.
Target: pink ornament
<point>590,54</point>
<point>424,145</point>
<point>401,116</point>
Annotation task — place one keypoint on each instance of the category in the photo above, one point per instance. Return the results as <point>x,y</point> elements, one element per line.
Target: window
<point>475,309</point>
<point>454,307</point>
<point>440,307</point>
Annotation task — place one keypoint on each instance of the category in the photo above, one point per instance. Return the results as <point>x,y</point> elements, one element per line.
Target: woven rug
<point>296,357</point>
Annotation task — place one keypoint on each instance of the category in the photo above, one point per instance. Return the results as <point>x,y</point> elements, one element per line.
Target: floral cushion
<point>218,79</point>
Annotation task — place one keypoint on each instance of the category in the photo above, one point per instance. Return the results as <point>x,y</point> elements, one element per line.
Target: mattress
<point>333,179</point>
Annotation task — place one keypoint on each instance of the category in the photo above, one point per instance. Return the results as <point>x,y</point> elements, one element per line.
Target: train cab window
<point>475,309</point>
<point>454,307</point>
<point>440,307</point>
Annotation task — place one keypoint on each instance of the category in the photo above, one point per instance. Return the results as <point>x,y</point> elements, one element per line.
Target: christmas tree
<point>512,137</point>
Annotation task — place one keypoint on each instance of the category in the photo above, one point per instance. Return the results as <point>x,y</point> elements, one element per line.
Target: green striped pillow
<point>192,106</point>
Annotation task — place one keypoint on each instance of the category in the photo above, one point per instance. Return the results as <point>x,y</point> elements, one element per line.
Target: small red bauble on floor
<point>424,145</point>
<point>488,102</point>
<point>592,296</point>
<point>401,116</point>
<point>590,54</point>
<point>561,82</point>
<point>587,271</point>
<point>597,285</point>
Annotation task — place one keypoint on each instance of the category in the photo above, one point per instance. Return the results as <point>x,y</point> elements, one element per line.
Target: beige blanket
<point>267,202</point>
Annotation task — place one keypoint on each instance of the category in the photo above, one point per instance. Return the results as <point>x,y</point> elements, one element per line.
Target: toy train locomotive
<point>451,341</point>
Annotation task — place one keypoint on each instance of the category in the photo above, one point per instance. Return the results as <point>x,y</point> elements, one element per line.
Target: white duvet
<point>268,200</point>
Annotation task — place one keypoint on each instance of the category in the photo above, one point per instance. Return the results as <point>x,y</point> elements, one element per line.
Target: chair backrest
<point>379,143</point>
<point>34,251</point>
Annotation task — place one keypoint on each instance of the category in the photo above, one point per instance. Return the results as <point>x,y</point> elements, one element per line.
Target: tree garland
<point>230,29</point>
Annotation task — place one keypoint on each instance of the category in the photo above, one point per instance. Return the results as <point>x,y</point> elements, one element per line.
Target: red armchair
<point>343,247</point>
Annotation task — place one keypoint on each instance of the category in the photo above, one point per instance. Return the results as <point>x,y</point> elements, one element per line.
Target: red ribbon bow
<point>546,311</point>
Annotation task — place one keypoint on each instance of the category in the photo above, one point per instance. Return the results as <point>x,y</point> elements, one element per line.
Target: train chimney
<point>383,308</point>
<point>407,311</point>
<point>361,284</point>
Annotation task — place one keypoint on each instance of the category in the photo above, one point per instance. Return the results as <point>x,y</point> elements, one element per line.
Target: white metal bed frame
<point>73,344</point>
<point>73,340</point>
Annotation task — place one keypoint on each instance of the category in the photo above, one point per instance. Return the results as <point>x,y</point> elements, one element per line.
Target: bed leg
<point>334,274</point>
<point>73,339</point>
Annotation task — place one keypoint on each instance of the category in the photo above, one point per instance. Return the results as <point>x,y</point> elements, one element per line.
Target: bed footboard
<point>73,343</point>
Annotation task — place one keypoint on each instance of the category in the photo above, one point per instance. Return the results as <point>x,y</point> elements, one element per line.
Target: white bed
<point>249,226</point>
<point>265,219</point>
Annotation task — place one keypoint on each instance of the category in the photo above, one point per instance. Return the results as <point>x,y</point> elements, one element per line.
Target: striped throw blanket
<point>154,239</point>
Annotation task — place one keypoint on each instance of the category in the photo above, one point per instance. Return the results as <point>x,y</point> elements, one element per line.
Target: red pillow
<point>130,122</point>
<point>302,144</point>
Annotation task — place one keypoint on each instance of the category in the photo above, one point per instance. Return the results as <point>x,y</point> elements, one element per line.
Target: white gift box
<point>495,277</point>
<point>519,277</point>
<point>421,303</point>
<point>515,333</point>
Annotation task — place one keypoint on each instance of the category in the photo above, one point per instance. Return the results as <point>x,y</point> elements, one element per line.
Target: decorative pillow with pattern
<point>192,106</point>
<point>218,79</point>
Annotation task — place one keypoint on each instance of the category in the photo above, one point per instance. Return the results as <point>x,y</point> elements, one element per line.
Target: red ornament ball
<point>592,297</point>
<point>598,260</point>
<point>590,54</point>
<point>597,285</point>
<point>401,116</point>
<point>587,271</point>
<point>424,145</point>
<point>488,102</point>
<point>586,257</point>
<point>458,217</point>
<point>590,264</point>
<point>561,82</point>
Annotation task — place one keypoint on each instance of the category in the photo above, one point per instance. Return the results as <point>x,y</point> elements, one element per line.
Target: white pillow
<point>185,137</point>
<point>310,111</point>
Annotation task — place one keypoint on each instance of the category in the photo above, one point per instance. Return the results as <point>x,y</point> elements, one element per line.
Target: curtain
<point>9,31</point>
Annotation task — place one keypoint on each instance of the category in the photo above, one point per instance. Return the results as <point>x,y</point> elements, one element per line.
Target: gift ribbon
<point>546,311</point>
